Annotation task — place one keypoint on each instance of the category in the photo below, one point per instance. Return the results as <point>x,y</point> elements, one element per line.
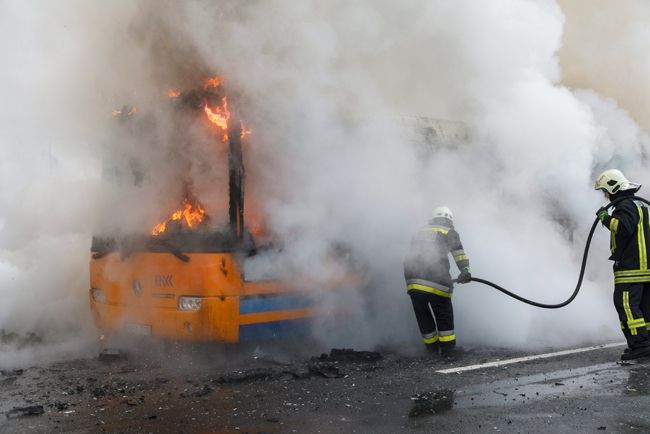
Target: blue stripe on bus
<point>275,329</point>
<point>274,302</point>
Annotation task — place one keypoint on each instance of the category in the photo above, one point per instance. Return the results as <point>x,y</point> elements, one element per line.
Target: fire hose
<point>582,267</point>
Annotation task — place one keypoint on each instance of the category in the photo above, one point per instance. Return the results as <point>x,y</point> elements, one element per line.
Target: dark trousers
<point>632,302</point>
<point>436,327</point>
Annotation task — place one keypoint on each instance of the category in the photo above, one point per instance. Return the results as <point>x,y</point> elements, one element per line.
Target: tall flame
<point>219,116</point>
<point>189,215</point>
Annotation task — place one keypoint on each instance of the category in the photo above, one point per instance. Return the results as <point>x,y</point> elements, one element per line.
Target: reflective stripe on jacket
<point>629,232</point>
<point>426,267</point>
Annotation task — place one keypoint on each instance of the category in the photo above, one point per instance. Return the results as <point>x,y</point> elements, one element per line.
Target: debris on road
<point>8,381</point>
<point>12,373</point>
<point>350,355</point>
<point>278,393</point>
<point>60,405</point>
<point>325,365</point>
<point>246,376</point>
<point>111,355</point>
<point>32,410</point>
<point>204,391</point>
<point>327,370</point>
<point>431,403</point>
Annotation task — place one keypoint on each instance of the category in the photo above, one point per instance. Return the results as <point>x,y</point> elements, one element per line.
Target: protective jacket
<point>629,230</point>
<point>426,267</point>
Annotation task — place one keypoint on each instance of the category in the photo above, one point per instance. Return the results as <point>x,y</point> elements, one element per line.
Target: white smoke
<point>322,85</point>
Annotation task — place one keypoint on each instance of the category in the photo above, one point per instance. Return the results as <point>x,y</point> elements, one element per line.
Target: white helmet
<point>613,181</point>
<point>443,212</point>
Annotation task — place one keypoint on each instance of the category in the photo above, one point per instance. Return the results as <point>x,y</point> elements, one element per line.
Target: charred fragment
<point>350,355</point>
<point>326,370</point>
<point>32,410</point>
<point>110,355</point>
<point>432,403</point>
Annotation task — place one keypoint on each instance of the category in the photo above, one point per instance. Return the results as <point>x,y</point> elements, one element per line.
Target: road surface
<point>257,390</point>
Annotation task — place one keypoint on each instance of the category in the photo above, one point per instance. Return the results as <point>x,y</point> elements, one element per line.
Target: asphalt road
<point>257,390</point>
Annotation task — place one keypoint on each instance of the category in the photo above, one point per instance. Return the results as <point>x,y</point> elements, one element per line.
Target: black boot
<point>636,353</point>
<point>433,348</point>
<point>449,349</point>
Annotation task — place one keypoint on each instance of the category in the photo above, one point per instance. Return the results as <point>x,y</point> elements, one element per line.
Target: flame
<point>117,112</point>
<point>212,82</point>
<point>220,116</point>
<point>173,93</point>
<point>244,131</point>
<point>190,215</point>
<point>159,228</point>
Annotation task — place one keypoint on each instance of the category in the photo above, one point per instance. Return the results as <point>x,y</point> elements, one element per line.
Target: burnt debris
<point>109,355</point>
<point>32,410</point>
<point>350,355</point>
<point>431,403</point>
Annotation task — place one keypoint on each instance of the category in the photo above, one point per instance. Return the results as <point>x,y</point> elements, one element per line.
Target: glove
<point>464,276</point>
<point>602,213</point>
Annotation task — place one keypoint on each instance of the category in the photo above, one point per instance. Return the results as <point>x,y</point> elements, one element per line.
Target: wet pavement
<point>262,391</point>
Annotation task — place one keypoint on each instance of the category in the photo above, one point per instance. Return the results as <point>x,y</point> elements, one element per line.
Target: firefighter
<point>629,237</point>
<point>428,282</point>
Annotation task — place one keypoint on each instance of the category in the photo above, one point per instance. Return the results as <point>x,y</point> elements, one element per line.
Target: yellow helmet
<point>613,181</point>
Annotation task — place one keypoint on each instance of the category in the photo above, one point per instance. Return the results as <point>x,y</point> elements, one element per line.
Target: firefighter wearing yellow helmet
<point>629,238</point>
<point>428,282</point>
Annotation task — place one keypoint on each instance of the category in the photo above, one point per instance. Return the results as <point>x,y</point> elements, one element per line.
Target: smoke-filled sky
<point>552,93</point>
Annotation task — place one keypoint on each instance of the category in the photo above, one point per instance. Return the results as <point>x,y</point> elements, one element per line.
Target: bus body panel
<point>141,292</point>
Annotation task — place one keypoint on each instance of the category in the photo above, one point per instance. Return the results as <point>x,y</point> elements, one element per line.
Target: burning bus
<point>184,278</point>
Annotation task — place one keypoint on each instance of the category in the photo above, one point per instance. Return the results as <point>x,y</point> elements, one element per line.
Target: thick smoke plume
<point>325,87</point>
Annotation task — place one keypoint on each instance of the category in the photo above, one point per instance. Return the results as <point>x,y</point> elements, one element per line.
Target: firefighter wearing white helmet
<point>444,212</point>
<point>629,238</point>
<point>429,283</point>
<point>612,181</point>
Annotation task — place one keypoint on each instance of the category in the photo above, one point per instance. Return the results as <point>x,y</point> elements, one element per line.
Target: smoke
<point>604,50</point>
<point>325,86</point>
